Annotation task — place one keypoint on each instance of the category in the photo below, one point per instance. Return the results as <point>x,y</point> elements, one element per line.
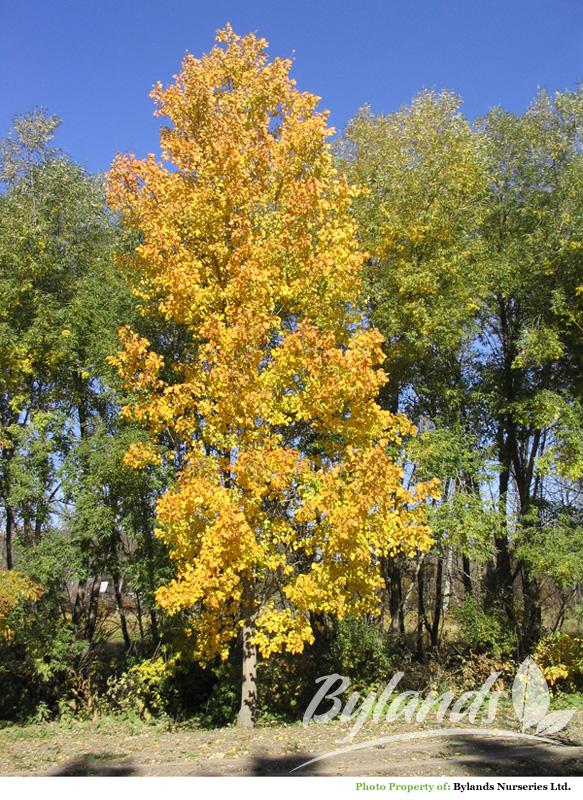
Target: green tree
<point>72,512</point>
<point>421,175</point>
<point>530,319</point>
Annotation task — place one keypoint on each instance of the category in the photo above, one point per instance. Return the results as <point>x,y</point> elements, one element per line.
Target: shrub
<point>363,651</point>
<point>143,689</point>
<point>483,630</point>
<point>357,648</point>
<point>560,656</point>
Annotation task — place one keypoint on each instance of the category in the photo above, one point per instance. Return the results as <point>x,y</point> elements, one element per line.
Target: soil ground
<point>111,746</point>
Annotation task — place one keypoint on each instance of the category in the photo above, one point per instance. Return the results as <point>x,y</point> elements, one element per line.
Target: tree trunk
<point>9,535</point>
<point>420,610</point>
<point>150,556</point>
<point>6,455</point>
<point>438,605</point>
<point>139,616</point>
<point>246,715</point>
<point>93,609</point>
<point>120,610</point>
<point>447,581</point>
<point>499,580</point>
<point>532,625</point>
<point>392,575</point>
<point>154,627</point>
<point>79,604</point>
<point>467,575</point>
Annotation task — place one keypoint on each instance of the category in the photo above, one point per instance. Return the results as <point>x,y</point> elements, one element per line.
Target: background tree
<point>72,512</point>
<point>421,174</point>
<point>473,277</point>
<point>530,327</point>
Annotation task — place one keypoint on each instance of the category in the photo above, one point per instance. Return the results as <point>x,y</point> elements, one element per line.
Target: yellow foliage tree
<point>288,494</point>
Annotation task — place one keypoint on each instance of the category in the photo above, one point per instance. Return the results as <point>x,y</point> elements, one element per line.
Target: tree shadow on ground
<point>271,766</point>
<point>493,757</point>
<point>93,765</point>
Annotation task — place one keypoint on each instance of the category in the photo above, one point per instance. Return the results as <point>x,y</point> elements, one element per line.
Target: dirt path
<point>478,758</point>
<point>116,747</point>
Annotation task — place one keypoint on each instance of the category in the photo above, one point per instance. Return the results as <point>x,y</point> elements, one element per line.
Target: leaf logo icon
<point>530,695</point>
<point>554,722</point>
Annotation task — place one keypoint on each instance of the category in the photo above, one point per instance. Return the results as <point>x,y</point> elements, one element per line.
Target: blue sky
<point>92,62</point>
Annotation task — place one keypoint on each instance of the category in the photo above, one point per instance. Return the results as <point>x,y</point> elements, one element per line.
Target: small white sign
<point>103,586</point>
